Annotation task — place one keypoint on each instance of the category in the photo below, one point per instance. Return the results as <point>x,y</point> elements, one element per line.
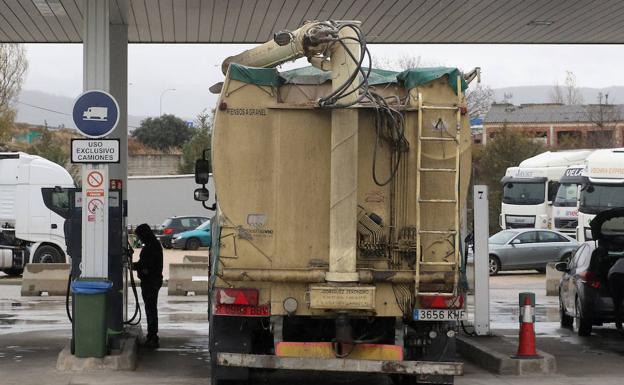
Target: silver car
<point>525,249</point>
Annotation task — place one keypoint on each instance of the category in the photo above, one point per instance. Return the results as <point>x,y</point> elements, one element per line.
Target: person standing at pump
<point>616,287</point>
<point>149,269</point>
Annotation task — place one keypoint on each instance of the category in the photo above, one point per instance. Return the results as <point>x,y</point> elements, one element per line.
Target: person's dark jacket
<point>150,265</point>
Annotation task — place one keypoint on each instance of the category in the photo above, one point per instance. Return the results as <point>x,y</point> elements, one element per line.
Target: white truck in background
<point>565,206</point>
<point>530,188</point>
<point>602,188</point>
<point>29,230</point>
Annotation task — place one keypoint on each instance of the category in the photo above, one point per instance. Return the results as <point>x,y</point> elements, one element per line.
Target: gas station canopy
<point>388,21</point>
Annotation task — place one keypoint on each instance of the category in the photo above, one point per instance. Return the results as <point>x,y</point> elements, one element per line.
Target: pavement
<point>34,329</point>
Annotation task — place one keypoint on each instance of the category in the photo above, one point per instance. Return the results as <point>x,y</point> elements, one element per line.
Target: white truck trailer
<point>602,189</point>
<point>530,188</point>
<point>29,230</point>
<point>565,205</point>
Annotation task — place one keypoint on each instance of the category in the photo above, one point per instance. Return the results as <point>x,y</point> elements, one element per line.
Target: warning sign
<point>95,179</point>
<point>94,205</point>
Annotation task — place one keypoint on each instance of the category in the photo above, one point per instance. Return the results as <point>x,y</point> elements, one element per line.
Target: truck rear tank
<point>283,288</point>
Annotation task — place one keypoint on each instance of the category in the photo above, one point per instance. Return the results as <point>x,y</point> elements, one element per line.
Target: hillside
<point>38,108</point>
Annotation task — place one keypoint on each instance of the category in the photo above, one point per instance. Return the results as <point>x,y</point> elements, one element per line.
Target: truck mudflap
<point>260,361</point>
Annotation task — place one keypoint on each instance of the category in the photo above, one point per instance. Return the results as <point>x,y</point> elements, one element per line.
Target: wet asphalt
<point>34,329</point>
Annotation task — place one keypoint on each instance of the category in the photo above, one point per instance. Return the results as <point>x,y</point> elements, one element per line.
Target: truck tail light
<point>590,278</point>
<point>168,230</point>
<point>441,302</point>
<point>240,302</point>
<point>237,296</point>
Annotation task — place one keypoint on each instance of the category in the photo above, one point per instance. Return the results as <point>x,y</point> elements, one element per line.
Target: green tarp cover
<point>254,75</point>
<point>414,78</point>
<point>312,75</point>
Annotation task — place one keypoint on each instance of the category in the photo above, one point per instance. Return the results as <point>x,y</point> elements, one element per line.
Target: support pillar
<point>105,67</point>
<point>481,261</point>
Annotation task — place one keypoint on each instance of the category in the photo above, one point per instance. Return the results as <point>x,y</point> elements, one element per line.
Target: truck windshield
<point>599,197</point>
<point>523,193</point>
<point>566,195</point>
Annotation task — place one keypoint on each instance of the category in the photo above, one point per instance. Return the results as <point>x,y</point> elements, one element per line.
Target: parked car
<point>525,249</point>
<point>584,298</point>
<point>175,225</point>
<point>193,239</point>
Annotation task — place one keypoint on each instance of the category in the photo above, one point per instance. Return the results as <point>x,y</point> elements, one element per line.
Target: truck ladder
<point>421,260</point>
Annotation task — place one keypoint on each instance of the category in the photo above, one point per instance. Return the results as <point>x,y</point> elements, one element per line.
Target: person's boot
<point>152,343</point>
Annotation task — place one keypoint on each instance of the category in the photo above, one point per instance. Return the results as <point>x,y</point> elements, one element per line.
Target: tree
<point>568,94</point>
<point>605,117</point>
<point>164,132</point>
<point>200,141</point>
<point>13,65</point>
<point>402,63</point>
<point>506,149</point>
<point>51,147</point>
<point>507,98</point>
<point>479,100</point>
<point>556,94</point>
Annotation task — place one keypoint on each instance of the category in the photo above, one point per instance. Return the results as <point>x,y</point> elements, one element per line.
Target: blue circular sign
<point>96,113</point>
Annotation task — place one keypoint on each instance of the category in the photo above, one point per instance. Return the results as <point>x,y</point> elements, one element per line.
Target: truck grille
<point>519,222</point>
<point>520,225</point>
<point>565,223</point>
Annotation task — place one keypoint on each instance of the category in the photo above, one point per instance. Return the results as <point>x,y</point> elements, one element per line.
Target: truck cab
<point>30,231</point>
<point>602,188</point>
<point>530,189</point>
<point>565,205</point>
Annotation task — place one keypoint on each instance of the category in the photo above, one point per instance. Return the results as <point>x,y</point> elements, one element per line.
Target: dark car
<point>524,249</point>
<point>584,298</point>
<point>175,225</point>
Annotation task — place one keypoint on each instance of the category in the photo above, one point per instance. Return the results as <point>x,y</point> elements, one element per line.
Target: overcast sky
<point>191,69</point>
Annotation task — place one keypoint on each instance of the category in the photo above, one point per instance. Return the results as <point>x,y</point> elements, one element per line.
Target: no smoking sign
<point>95,179</point>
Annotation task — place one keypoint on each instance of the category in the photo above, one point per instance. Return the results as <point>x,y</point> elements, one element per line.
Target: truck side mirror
<point>201,194</point>
<point>202,171</point>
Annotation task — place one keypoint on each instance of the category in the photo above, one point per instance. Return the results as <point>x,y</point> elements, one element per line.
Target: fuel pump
<point>67,202</point>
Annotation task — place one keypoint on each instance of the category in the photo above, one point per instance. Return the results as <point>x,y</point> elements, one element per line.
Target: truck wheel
<point>193,244</point>
<point>13,272</point>
<point>48,254</point>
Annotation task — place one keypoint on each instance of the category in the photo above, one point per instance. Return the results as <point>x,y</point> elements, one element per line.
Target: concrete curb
<point>196,259</point>
<point>181,279</point>
<point>48,278</point>
<point>553,277</point>
<point>125,360</point>
<point>493,354</point>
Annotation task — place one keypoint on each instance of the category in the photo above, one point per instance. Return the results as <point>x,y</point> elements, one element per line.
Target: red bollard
<point>526,342</point>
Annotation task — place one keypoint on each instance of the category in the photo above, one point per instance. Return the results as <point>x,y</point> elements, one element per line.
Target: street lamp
<point>161,97</point>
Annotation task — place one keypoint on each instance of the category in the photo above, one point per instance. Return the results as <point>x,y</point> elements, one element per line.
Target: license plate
<point>439,314</point>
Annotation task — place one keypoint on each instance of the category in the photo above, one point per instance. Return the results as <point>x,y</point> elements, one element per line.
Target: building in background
<point>558,125</point>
